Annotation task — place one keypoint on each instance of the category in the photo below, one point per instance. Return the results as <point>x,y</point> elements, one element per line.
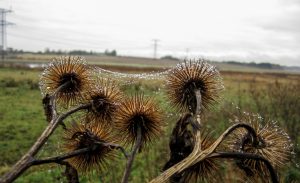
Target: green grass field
<point>22,121</point>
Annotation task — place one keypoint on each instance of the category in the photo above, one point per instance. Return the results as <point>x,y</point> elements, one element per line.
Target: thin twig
<point>59,159</point>
<point>246,126</point>
<point>71,172</point>
<point>114,146</point>
<point>71,111</point>
<point>132,156</point>
<point>239,155</point>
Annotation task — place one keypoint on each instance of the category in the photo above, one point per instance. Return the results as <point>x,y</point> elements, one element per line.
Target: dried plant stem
<point>70,172</point>
<point>198,107</point>
<point>115,146</point>
<point>197,155</point>
<point>132,156</point>
<point>59,159</point>
<point>239,155</point>
<point>198,119</point>
<point>25,162</point>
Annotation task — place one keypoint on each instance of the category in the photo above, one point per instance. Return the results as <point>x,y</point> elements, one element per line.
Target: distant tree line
<point>48,51</point>
<point>107,52</point>
<point>263,65</point>
<point>110,53</point>
<point>170,57</point>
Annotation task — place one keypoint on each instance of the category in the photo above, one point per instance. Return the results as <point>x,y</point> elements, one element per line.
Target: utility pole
<point>3,24</point>
<point>155,48</point>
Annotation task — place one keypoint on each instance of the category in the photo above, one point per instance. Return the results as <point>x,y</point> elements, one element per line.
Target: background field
<point>272,95</point>
<point>138,63</point>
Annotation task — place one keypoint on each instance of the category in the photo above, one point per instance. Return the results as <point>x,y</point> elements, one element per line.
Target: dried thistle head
<point>138,112</point>
<point>205,170</point>
<point>69,75</point>
<point>105,98</point>
<point>82,136</point>
<point>189,76</point>
<point>273,144</point>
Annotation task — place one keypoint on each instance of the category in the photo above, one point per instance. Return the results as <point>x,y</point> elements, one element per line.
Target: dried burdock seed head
<point>273,144</point>
<point>82,136</point>
<point>68,76</point>
<point>105,98</point>
<point>185,78</point>
<point>205,170</point>
<point>138,112</point>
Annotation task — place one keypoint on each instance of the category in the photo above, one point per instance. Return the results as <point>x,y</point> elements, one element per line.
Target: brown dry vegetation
<point>130,63</point>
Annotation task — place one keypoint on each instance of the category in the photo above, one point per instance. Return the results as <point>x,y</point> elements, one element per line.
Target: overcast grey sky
<point>243,30</point>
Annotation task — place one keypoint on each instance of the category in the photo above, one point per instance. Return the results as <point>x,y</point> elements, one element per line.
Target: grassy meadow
<point>272,95</point>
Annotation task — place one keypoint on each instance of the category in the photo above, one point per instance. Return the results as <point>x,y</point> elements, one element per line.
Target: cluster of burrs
<point>107,119</point>
<point>111,117</point>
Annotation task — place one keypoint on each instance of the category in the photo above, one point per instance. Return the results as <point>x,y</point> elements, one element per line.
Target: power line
<point>3,24</point>
<point>65,42</point>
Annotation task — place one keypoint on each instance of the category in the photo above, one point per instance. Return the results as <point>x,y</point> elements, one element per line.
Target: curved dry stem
<point>198,155</point>
<point>197,148</point>
<point>238,155</point>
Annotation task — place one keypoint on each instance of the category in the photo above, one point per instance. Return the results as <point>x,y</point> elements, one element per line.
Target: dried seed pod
<point>273,144</point>
<point>138,112</point>
<point>105,98</point>
<point>82,136</point>
<point>181,143</point>
<point>47,108</point>
<point>69,75</point>
<point>185,78</point>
